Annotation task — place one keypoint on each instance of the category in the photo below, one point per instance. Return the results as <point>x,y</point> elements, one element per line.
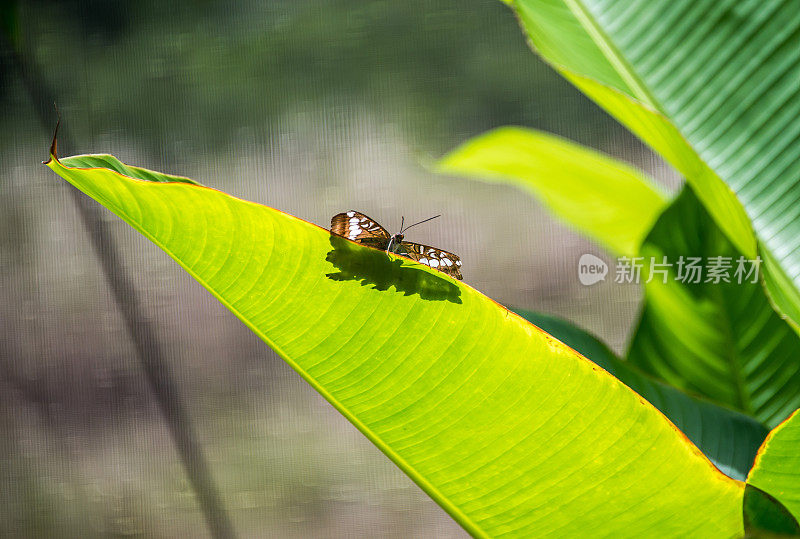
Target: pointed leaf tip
<point>54,144</point>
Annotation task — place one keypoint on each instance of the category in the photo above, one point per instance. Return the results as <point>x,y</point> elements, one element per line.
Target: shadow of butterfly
<point>356,226</point>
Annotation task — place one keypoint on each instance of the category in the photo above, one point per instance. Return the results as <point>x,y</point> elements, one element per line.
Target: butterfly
<point>358,227</point>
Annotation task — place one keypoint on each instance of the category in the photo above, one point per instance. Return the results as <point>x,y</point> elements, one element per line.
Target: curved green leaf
<point>766,517</point>
<point>730,439</point>
<point>776,470</point>
<point>712,86</point>
<point>600,196</point>
<point>506,428</point>
<point>722,340</point>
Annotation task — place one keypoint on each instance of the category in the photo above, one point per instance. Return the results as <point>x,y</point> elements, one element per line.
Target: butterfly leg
<point>389,247</point>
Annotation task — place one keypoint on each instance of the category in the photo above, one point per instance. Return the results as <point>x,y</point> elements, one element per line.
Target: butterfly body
<point>360,228</point>
<point>395,243</point>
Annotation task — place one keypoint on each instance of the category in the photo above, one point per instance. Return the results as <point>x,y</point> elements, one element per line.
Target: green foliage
<point>722,340</point>
<point>603,198</point>
<point>713,91</point>
<point>728,438</point>
<point>711,86</point>
<point>765,517</point>
<point>511,431</point>
<point>777,466</point>
<point>508,429</point>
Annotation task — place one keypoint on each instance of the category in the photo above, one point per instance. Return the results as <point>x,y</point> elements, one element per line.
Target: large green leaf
<point>509,430</point>
<point>602,197</point>
<point>712,86</point>
<point>776,470</point>
<point>730,439</point>
<point>722,340</point>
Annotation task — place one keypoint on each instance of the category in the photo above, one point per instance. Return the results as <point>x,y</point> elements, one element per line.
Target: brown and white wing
<point>360,228</point>
<point>435,258</point>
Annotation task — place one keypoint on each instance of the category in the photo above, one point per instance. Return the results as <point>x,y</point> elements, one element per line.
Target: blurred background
<point>311,107</point>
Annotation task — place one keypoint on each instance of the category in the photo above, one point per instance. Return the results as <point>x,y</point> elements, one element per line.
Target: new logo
<point>591,270</point>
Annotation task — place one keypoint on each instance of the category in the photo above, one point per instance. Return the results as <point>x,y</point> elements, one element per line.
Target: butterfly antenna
<point>415,224</point>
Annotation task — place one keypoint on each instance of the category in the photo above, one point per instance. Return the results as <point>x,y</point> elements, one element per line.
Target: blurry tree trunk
<point>142,332</point>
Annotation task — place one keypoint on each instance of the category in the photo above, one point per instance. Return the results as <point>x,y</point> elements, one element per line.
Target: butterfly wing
<point>363,229</point>
<point>435,258</point>
<point>360,228</point>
